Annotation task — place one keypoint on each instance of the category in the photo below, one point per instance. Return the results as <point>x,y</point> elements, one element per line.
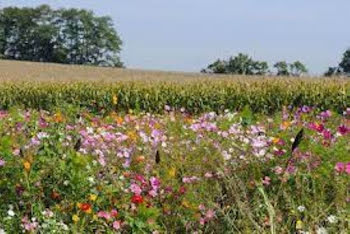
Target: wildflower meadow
<point>72,170</point>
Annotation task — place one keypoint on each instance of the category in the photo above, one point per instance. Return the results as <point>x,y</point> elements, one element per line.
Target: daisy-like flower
<point>301,208</point>
<point>332,219</point>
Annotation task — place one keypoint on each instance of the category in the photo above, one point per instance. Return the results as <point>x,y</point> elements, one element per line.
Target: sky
<point>187,35</point>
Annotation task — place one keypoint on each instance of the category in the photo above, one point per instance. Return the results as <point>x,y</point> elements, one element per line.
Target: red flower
<point>86,207</point>
<point>137,199</point>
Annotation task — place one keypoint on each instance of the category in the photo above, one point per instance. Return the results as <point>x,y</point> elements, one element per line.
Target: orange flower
<point>55,195</point>
<point>275,140</point>
<point>140,159</point>
<point>286,124</point>
<point>26,165</point>
<point>58,117</point>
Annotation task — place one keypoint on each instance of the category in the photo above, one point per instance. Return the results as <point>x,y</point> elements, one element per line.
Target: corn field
<point>265,95</point>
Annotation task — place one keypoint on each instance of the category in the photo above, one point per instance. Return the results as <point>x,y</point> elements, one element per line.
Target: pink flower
<point>153,193</point>
<point>135,189</point>
<point>104,214</point>
<point>202,221</point>
<point>340,167</point>
<point>16,152</point>
<point>210,214</point>
<point>2,163</point>
<point>117,225</point>
<point>114,213</point>
<point>278,170</point>
<point>347,168</point>
<point>201,207</point>
<point>317,127</point>
<point>190,180</point>
<point>266,180</point>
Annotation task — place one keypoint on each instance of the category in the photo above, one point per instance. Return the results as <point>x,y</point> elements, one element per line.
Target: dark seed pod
<point>157,157</point>
<point>77,145</point>
<point>298,139</point>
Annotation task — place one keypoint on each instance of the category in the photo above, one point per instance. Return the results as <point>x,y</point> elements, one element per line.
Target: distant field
<point>28,71</point>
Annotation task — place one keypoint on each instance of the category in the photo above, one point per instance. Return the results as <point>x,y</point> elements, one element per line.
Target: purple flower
<point>155,183</point>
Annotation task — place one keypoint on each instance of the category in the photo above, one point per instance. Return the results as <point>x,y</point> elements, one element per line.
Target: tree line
<point>69,36</point>
<point>243,64</point>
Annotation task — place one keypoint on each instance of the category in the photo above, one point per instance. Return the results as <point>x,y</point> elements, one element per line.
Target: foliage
<point>74,171</point>
<point>344,65</point>
<point>343,68</point>
<point>69,36</point>
<point>241,64</point>
<point>294,69</point>
<point>282,68</point>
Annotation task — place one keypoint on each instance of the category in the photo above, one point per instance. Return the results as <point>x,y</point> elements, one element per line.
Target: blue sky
<point>186,35</point>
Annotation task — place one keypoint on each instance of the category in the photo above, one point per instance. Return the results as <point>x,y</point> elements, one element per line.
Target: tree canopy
<point>290,69</point>
<point>343,67</point>
<point>241,64</point>
<point>70,36</point>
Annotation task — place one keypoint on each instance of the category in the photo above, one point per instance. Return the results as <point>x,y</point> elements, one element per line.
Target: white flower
<point>11,213</point>
<point>321,230</point>
<point>301,208</point>
<point>2,231</point>
<point>91,179</point>
<point>332,219</point>
<point>64,226</point>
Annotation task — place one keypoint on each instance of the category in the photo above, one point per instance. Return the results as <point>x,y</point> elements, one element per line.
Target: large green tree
<point>68,36</point>
<point>241,64</point>
<point>290,69</point>
<point>344,65</point>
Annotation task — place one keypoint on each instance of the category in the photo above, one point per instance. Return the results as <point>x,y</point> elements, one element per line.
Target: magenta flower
<point>155,183</point>
<point>343,130</point>
<point>340,167</point>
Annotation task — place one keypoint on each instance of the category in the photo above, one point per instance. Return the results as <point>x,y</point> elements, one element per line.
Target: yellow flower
<point>26,165</point>
<point>185,204</point>
<point>172,172</point>
<point>92,197</point>
<point>299,225</point>
<point>115,99</point>
<point>75,218</point>
<point>78,205</point>
<point>132,135</point>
